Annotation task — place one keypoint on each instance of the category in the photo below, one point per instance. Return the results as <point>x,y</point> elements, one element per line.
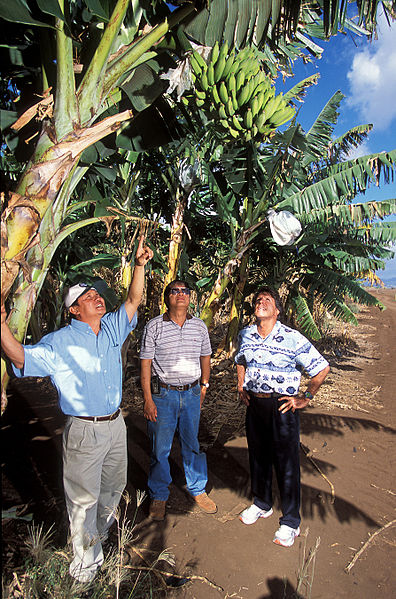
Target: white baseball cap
<point>285,228</point>
<point>75,291</point>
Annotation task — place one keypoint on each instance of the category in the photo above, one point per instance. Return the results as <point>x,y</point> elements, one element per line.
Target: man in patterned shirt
<point>269,362</point>
<point>175,369</point>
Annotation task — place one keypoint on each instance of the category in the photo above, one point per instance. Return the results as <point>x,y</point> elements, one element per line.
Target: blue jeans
<point>177,411</point>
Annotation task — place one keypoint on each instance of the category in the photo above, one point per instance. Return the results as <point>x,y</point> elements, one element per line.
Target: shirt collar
<point>273,332</point>
<point>82,327</point>
<point>167,318</point>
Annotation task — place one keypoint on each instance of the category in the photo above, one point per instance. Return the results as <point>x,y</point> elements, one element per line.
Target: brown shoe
<point>157,509</point>
<point>205,503</point>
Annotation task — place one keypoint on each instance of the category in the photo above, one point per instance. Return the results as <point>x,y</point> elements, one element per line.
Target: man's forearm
<point>150,409</point>
<point>11,347</point>
<point>136,287</point>
<point>145,379</point>
<point>317,380</point>
<point>205,369</point>
<point>135,291</point>
<point>241,375</point>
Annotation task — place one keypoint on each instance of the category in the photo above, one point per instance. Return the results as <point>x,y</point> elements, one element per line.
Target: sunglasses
<point>177,290</point>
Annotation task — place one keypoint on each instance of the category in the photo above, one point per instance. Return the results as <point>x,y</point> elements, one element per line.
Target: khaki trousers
<point>94,478</point>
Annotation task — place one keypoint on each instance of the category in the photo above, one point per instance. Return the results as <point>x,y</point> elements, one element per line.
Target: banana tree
<point>31,223</point>
<point>343,241</point>
<point>308,175</point>
<point>180,178</point>
<point>77,112</point>
<point>249,172</point>
<point>327,270</point>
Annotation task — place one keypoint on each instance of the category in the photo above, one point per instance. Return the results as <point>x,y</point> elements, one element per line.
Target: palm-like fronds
<point>299,91</point>
<point>318,137</point>
<point>304,316</point>
<point>333,285</point>
<point>341,147</point>
<point>351,214</point>
<point>262,21</point>
<point>340,183</point>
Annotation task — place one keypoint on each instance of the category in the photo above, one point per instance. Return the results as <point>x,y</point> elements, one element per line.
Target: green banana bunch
<point>235,92</point>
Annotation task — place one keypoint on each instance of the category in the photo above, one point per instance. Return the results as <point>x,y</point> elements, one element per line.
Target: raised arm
<point>143,255</point>
<point>11,347</point>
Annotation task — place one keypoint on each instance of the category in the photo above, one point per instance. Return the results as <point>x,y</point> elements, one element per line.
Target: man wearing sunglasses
<point>175,369</point>
<point>83,360</point>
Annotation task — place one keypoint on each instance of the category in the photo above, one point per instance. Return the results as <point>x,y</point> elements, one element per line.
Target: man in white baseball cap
<point>83,360</point>
<point>76,291</point>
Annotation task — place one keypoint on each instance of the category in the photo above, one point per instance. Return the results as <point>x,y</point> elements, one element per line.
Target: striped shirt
<point>174,350</point>
<point>275,363</point>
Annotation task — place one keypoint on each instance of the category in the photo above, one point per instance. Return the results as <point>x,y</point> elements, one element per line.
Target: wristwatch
<point>206,385</point>
<point>308,395</point>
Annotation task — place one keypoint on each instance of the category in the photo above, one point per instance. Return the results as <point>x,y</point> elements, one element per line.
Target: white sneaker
<point>253,513</point>
<point>285,535</point>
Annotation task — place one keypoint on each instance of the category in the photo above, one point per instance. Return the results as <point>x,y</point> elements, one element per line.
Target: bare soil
<point>348,481</point>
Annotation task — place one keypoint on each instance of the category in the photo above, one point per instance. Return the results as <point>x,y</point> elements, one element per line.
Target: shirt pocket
<point>114,353</point>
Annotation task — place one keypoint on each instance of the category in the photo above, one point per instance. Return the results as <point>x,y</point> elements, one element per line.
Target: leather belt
<point>179,387</point>
<point>100,418</point>
<point>262,395</point>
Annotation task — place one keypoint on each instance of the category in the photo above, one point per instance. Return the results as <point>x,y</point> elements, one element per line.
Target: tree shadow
<point>228,466</point>
<point>32,464</point>
<point>336,425</point>
<point>230,469</point>
<point>280,589</point>
<point>31,431</point>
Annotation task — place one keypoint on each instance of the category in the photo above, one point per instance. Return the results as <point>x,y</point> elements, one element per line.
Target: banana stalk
<point>175,244</point>
<point>230,344</point>
<point>212,303</point>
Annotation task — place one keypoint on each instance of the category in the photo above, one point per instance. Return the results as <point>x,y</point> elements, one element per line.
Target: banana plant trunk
<point>176,238</point>
<point>44,190</point>
<point>30,280</point>
<point>235,311</point>
<point>212,304</point>
<point>242,247</point>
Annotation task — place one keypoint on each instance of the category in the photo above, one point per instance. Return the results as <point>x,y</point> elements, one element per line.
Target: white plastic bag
<point>285,228</point>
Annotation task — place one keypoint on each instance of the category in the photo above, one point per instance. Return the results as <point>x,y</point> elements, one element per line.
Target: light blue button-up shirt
<point>274,364</point>
<point>85,368</point>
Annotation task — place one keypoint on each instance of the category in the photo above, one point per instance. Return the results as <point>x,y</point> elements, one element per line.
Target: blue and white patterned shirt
<point>274,364</point>
<point>85,368</point>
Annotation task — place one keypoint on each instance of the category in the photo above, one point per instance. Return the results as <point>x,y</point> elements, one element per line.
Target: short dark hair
<point>273,293</point>
<point>169,287</point>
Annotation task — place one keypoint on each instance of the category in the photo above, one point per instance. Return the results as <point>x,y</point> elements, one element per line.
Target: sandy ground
<point>348,484</point>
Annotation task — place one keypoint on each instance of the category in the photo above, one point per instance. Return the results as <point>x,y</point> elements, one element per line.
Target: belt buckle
<point>180,387</point>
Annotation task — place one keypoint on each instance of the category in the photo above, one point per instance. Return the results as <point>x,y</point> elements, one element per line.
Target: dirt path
<point>352,447</point>
<point>354,450</point>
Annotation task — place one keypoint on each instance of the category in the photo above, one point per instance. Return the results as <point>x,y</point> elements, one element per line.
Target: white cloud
<point>362,150</point>
<point>372,79</point>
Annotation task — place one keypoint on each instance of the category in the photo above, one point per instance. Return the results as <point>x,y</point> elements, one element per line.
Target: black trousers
<point>274,441</point>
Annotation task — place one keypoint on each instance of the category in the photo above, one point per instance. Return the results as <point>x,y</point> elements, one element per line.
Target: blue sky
<point>365,72</point>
